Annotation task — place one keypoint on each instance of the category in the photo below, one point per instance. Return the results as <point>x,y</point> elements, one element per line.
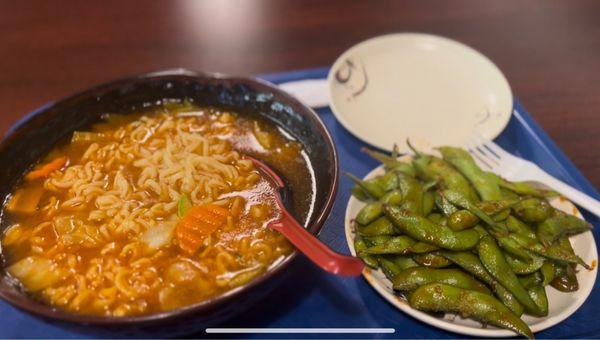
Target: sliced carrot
<point>46,169</point>
<point>199,222</point>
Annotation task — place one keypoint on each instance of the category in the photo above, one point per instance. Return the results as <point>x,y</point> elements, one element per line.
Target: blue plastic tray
<point>312,298</point>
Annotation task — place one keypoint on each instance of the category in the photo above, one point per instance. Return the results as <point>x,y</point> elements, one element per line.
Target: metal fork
<point>489,155</point>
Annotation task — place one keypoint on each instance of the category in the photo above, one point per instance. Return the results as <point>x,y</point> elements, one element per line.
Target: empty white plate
<point>561,305</point>
<point>418,86</point>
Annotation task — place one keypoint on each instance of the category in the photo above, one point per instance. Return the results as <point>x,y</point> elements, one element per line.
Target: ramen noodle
<point>152,211</point>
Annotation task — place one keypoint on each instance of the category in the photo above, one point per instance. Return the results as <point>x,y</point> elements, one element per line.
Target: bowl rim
<point>41,309</point>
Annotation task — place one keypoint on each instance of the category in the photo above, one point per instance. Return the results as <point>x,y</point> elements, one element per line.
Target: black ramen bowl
<point>34,136</point>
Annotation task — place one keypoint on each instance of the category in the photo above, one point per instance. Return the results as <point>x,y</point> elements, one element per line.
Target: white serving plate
<point>561,305</point>
<point>418,86</point>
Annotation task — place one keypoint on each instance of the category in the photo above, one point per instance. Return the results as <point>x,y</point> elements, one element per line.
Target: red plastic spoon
<point>306,242</point>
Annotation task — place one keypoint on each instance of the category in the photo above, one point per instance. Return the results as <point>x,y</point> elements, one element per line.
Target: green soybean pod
<point>389,268</point>
<point>369,213</point>
<point>424,230</point>
<point>428,202</point>
<point>494,261</point>
<point>521,267</point>
<point>437,297</point>
<point>533,210</point>
<point>381,226</point>
<point>565,278</point>
<point>412,278</point>
<point>434,168</point>
<point>531,280</point>
<point>485,183</point>
<point>393,197</point>
<point>370,187</point>
<point>513,248</point>
<point>514,225</point>
<point>471,264</point>
<point>461,220</point>
<point>459,200</point>
<point>412,194</point>
<point>432,260</point>
<point>444,205</point>
<point>559,225</point>
<point>538,295</point>
<point>403,261</point>
<point>359,247</point>
<point>394,245</point>
<point>422,247</point>
<point>560,250</point>
<point>436,218</point>
<point>388,181</point>
<point>547,271</point>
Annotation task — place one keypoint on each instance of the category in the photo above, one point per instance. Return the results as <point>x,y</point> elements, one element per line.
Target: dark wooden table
<point>549,50</point>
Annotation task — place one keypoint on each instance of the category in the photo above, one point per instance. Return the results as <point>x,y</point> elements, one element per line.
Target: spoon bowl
<point>319,253</point>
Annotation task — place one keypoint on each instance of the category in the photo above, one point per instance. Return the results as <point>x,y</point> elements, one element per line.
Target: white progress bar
<point>300,330</point>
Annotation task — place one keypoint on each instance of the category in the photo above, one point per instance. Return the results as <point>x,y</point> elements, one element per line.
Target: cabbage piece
<point>35,273</point>
<point>159,235</point>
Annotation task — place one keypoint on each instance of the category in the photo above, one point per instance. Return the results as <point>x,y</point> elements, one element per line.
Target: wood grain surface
<point>549,50</point>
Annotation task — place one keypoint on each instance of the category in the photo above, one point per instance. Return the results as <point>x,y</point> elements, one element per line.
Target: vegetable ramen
<point>152,211</point>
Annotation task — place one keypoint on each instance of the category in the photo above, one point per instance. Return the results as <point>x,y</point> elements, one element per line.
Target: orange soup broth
<point>154,280</point>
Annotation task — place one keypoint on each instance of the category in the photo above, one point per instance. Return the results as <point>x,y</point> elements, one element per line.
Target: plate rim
<point>369,139</point>
<point>403,306</point>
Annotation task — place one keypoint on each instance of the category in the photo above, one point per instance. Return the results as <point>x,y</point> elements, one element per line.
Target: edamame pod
<point>369,213</point>
<point>412,194</point>
<point>389,268</point>
<point>494,261</point>
<point>422,247</point>
<point>565,278</point>
<point>437,218</point>
<point>558,225</point>
<point>403,261</point>
<point>521,267</point>
<point>471,264</point>
<point>391,162</point>
<point>439,297</point>
<point>412,278</point>
<point>393,197</point>
<point>485,183</point>
<point>360,194</point>
<point>432,260</point>
<point>359,247</point>
<point>532,210</point>
<point>461,201</point>
<point>547,271</point>
<point>560,250</point>
<point>388,181</point>
<point>514,225</point>
<point>444,205</point>
<point>380,227</point>
<point>393,245</point>
<point>428,202</point>
<point>513,248</point>
<point>424,230</point>
<point>531,280</point>
<point>538,295</point>
<point>462,219</point>
<point>370,187</point>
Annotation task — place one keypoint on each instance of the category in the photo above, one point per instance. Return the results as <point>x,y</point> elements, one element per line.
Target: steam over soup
<point>152,211</point>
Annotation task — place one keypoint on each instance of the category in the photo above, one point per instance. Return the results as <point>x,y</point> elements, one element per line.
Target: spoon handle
<point>315,250</point>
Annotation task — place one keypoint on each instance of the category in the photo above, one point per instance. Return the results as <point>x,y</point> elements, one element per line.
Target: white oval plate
<point>411,85</point>
<point>561,305</point>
